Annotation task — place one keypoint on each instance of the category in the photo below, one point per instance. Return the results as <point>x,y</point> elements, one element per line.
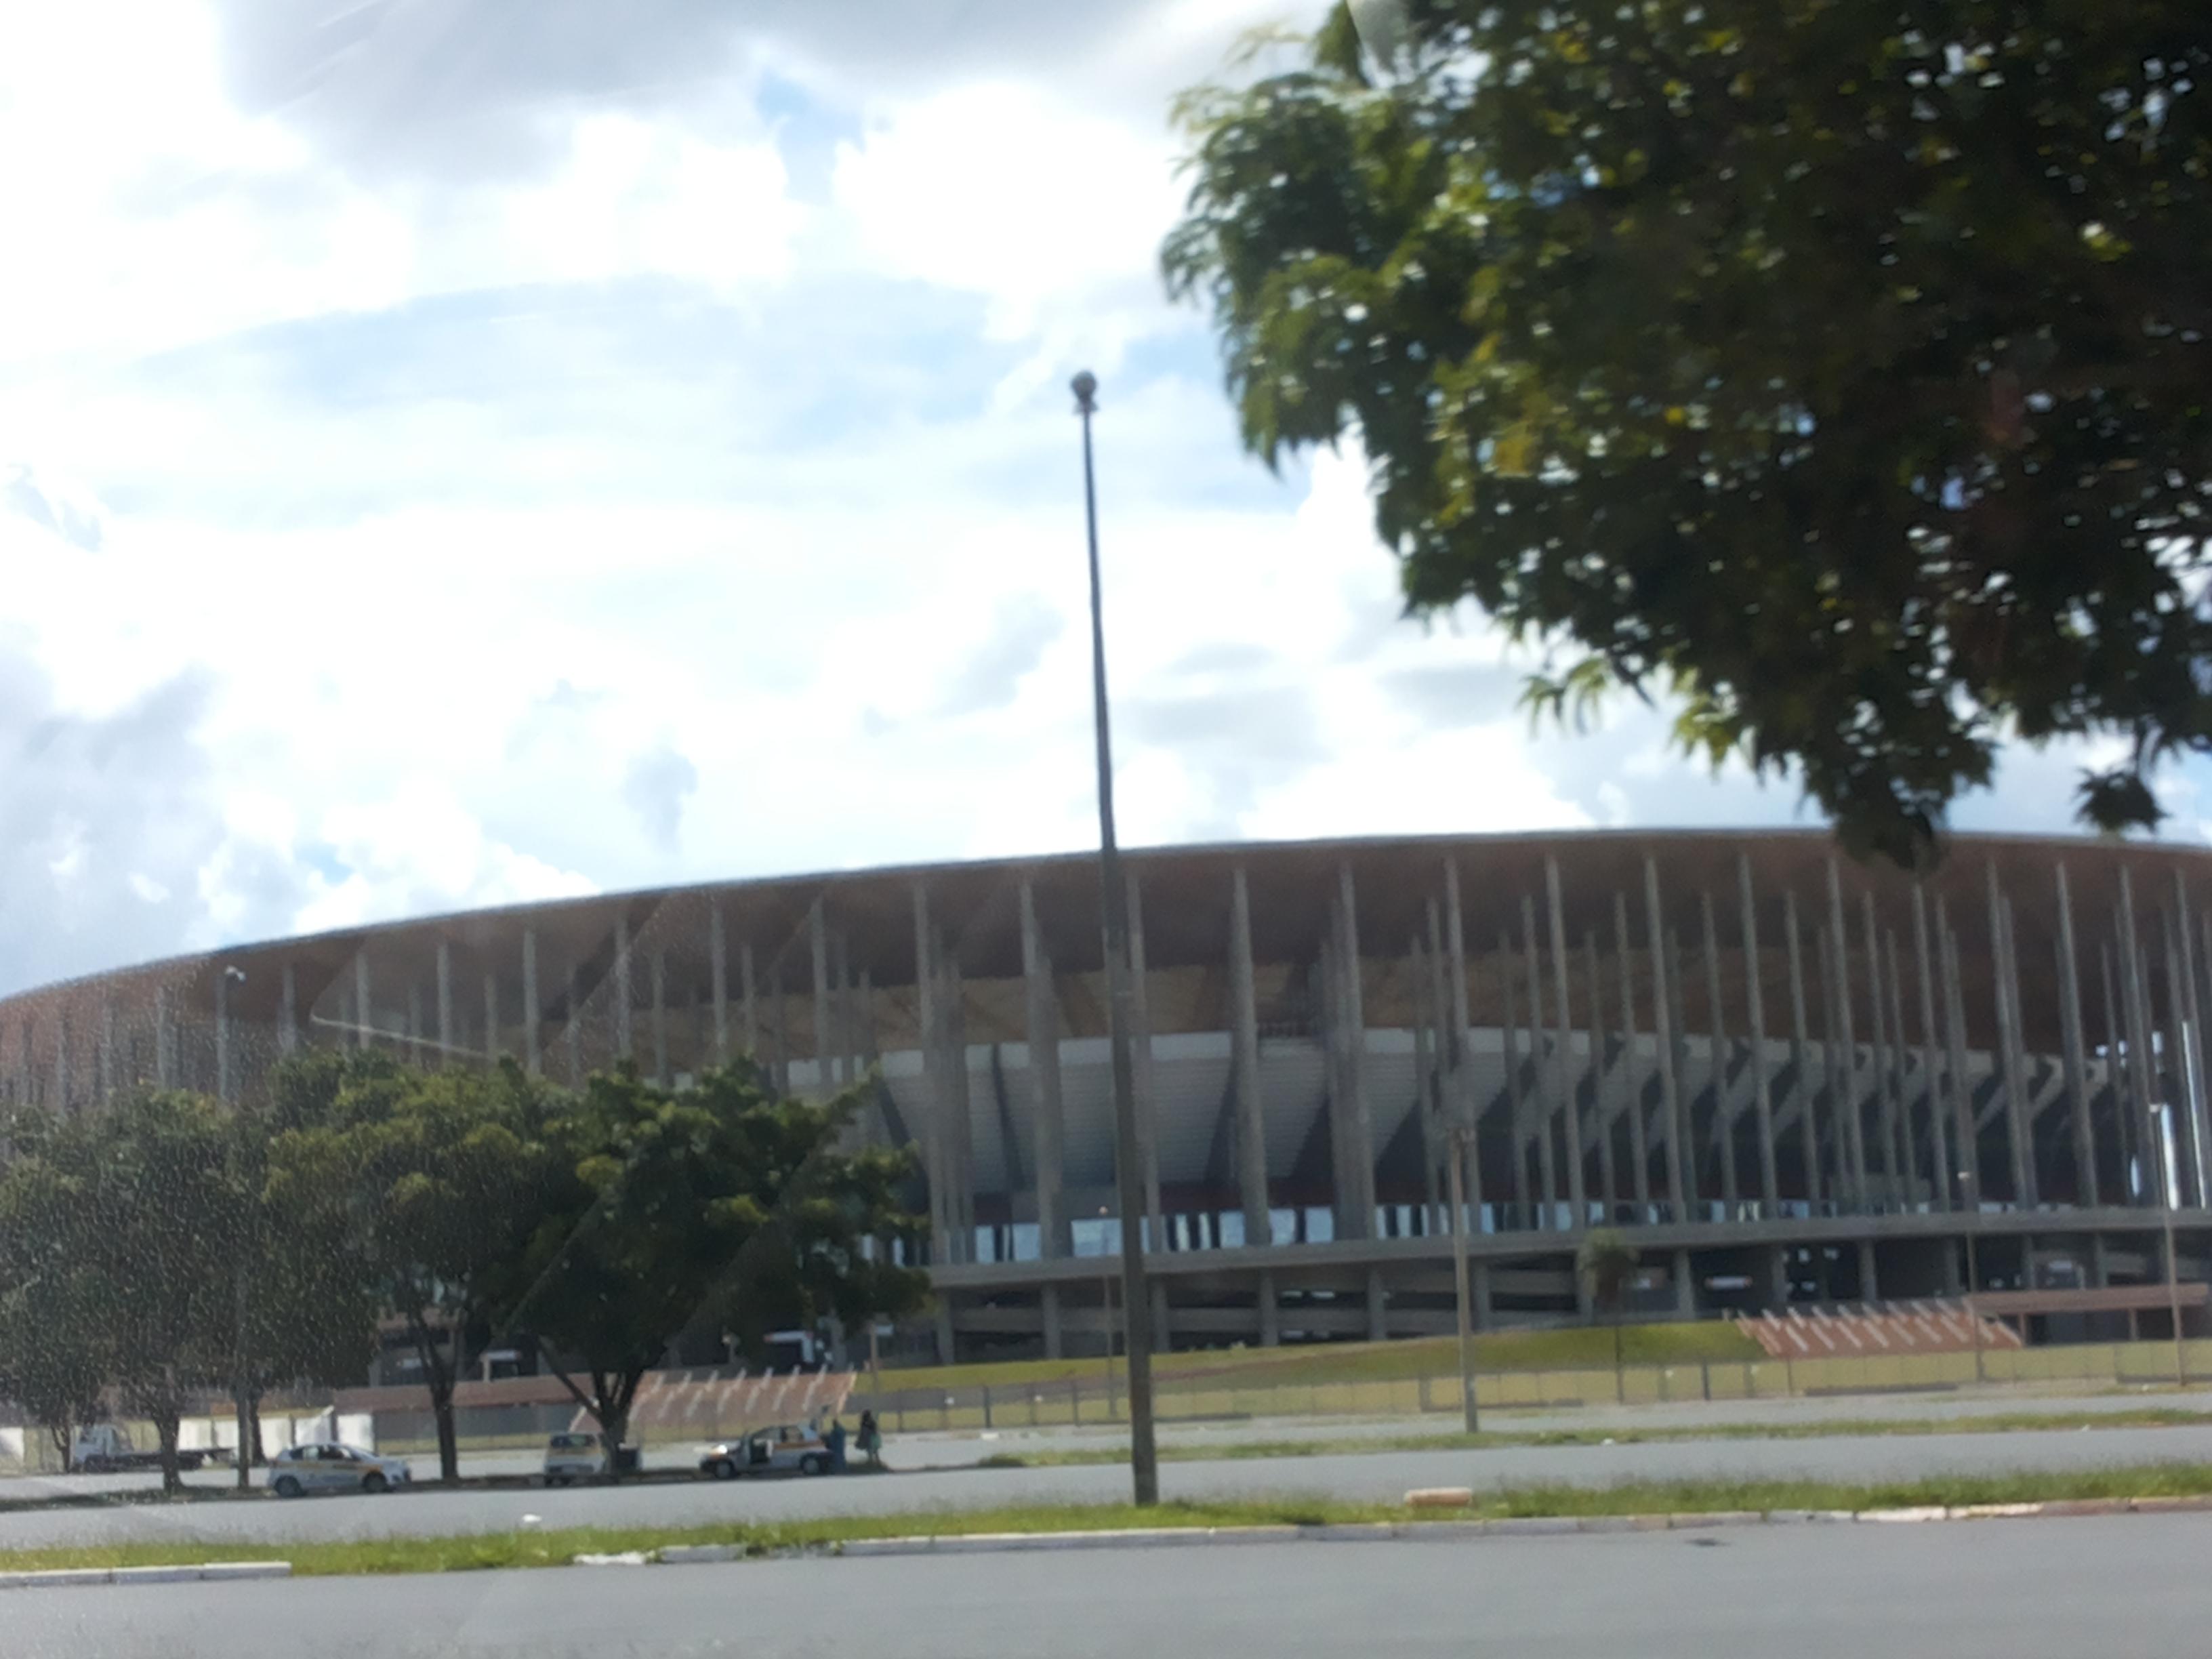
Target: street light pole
<point>1136,1303</point>
<point>1460,1139</point>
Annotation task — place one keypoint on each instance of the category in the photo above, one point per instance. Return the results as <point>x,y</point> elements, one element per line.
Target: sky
<point>460,451</point>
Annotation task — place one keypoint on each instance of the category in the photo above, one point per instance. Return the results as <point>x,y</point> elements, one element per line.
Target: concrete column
<point>1870,1289</point>
<point>1678,980</point>
<point>1601,1108</point>
<point>625,998</point>
<point>533,1011</point>
<point>288,1011</point>
<point>1478,1293</point>
<point>1639,1143</point>
<point>1425,1067</point>
<point>1244,1053</point>
<point>658,971</point>
<point>491,1016</point>
<point>935,1084</point>
<point>62,1052</point>
<point>164,1046</point>
<point>2143,1062</point>
<point>718,971</point>
<point>414,1027</point>
<point>1377,1307</point>
<point>1143,1072</point>
<point>1516,1109</point>
<point>1837,1067</point>
<point>1055,1342</point>
<point>2075,1050</point>
<point>2116,1076</point>
<point>845,1041</point>
<point>1762,1085</point>
<point>963,1144</point>
<point>1271,1312</point>
<point>1546,1077</point>
<point>1048,1122</point>
<point>226,1086</point>
<point>1885,1085</point>
<point>1778,1277</point>
<point>445,1033</point>
<point>1899,1056</point>
<point>2190,1035</point>
<point>364,1011</point>
<point>751,1007</point>
<point>1449,1031</point>
<point>1939,1140</point>
<point>1686,1285</point>
<point>1571,1115</point>
<point>1854,1119</point>
<point>1717,1055</point>
<point>572,1037</point>
<point>817,932</point>
<point>1967,1139</point>
<point>946,1349</point>
<point>1800,1057</point>
<point>104,1055</point>
<point>1669,1087</point>
<point>782,1070</point>
<point>1465,1111</point>
<point>2007,985</point>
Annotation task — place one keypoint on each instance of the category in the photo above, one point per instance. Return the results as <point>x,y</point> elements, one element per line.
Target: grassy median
<point>2150,1416</point>
<point>545,1547</point>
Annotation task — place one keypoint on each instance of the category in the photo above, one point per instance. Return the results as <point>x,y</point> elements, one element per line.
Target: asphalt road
<point>1373,1476</point>
<point>2022,1589</point>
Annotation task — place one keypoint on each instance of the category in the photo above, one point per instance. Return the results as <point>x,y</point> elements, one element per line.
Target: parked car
<point>107,1448</point>
<point>328,1467</point>
<point>575,1456</point>
<point>783,1449</point>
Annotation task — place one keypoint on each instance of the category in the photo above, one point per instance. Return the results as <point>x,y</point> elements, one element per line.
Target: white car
<point>785,1448</point>
<point>328,1467</point>
<point>575,1456</point>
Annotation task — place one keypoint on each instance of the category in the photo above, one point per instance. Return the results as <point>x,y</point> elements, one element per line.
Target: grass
<point>534,1547</point>
<point>2157,1416</point>
<point>1577,1347</point>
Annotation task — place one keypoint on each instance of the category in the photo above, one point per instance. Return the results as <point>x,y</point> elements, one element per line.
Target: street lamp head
<point>1085,387</point>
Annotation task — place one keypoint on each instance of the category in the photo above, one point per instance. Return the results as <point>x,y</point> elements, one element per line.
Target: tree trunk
<point>165,1415</point>
<point>438,1379</point>
<point>253,1413</point>
<point>63,1435</point>
<point>242,1398</point>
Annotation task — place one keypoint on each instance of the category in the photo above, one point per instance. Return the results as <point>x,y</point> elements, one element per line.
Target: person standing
<point>871,1440</point>
<point>836,1441</point>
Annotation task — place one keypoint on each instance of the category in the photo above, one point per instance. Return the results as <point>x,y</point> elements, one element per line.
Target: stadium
<point>1786,1078</point>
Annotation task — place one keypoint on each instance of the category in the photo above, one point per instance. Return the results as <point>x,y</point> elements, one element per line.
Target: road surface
<point>1377,1476</point>
<point>2024,1589</point>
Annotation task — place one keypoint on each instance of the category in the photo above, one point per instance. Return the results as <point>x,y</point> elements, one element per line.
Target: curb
<point>215,1570</point>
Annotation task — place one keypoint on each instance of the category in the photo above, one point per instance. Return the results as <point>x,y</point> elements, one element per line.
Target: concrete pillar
<point>625,1049</point>
<point>1546,1078</point>
<point>1686,1285</point>
<point>1271,1312</point>
<point>1360,1125</point>
<point>935,1085</point>
<point>2191,1045</point>
<point>2100,1267</point>
<point>2076,1049</point>
<point>782,1035</point>
<point>1479,1293</point>
<point>1893,983</point>
<point>1424,1069</point>
<point>104,1081</point>
<point>1884,1083</point>
<point>945,1341</point>
<point>414,1026</point>
<point>1377,1307</point>
<point>533,1011</point>
<point>1464,1106</point>
<point>1939,1138</point>
<point>751,1007</point>
<point>445,1033</point>
<point>1162,1330</point>
<point>1639,1146</point>
<point>491,1016</point>
<point>1144,1075</point>
<point>225,1084</point>
<point>62,1051</point>
<point>818,932</point>
<point>1600,1109</point>
<point>164,1046</point>
<point>1515,1106</point>
<point>1966,1139</point>
<point>1854,1118</point>
<point>1055,1342</point>
<point>572,1037</point>
<point>364,1010</point>
<point>2005,980</point>
<point>658,971</point>
<point>1840,1072</point>
<point>1047,1119</point>
<point>1800,1057</point>
<point>288,1011</point>
<point>1716,1054</point>
<point>1762,1085</point>
<point>1571,1115</point>
<point>1778,1277</point>
<point>844,1042</point>
<point>1669,1085</point>
<point>1870,1287</point>
<point>1244,1061</point>
<point>718,971</point>
<point>963,1146</point>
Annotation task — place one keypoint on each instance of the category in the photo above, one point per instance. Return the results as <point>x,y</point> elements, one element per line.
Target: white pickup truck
<point>105,1449</point>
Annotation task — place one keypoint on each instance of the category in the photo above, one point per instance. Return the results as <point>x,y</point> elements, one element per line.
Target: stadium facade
<point>1785,1077</point>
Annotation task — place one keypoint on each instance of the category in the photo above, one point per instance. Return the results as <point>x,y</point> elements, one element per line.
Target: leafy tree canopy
<point>1839,367</point>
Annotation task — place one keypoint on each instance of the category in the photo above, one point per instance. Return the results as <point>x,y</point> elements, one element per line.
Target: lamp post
<point>1461,1141</point>
<point>2168,1190</point>
<point>1136,1304</point>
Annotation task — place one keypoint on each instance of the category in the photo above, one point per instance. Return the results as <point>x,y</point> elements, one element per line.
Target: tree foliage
<point>1838,367</point>
<point>716,1206</point>
<point>55,1349</point>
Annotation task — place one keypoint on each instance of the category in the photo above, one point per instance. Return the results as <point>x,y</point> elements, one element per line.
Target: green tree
<point>715,1206</point>
<point>434,1181</point>
<point>1606,1265</point>
<point>1838,369</point>
<point>55,1347</point>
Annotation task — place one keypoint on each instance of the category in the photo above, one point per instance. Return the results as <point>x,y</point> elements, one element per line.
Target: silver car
<point>329,1466</point>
